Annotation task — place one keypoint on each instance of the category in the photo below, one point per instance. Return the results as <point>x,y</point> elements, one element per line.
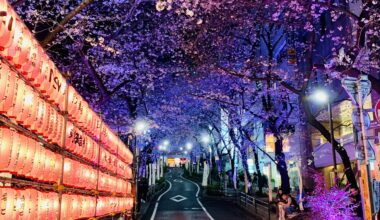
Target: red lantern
<point>8,196</point>
<point>130,204</point>
<point>31,150</point>
<point>26,106</point>
<point>7,25</point>
<point>20,47</point>
<point>65,206</point>
<point>68,171</point>
<point>36,162</point>
<point>31,205</point>
<point>8,96</point>
<point>42,81</point>
<point>43,205</point>
<point>35,70</point>
<point>22,153</point>
<point>6,139</point>
<point>32,59</point>
<point>41,175</point>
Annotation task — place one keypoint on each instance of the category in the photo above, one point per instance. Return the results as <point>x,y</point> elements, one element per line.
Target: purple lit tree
<point>329,204</point>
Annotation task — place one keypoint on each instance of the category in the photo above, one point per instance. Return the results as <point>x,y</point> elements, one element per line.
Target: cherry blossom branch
<point>60,26</point>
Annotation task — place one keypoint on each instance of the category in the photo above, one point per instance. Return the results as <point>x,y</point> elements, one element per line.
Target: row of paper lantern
<point>113,204</point>
<point>20,48</point>
<point>80,112</point>
<point>25,156</point>
<point>81,144</point>
<point>21,102</point>
<point>83,176</point>
<point>109,183</point>
<point>23,204</point>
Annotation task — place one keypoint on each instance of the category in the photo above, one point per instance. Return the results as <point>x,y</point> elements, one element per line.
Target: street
<point>180,201</point>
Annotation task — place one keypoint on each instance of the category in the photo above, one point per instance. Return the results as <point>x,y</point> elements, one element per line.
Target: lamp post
<point>206,140</point>
<point>139,128</point>
<point>321,96</point>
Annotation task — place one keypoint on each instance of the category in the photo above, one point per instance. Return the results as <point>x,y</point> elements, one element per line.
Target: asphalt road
<point>180,201</point>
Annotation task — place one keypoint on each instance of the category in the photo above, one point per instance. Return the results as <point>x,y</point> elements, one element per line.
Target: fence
<point>251,202</point>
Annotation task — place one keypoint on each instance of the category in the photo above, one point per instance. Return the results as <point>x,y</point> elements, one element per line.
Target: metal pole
<point>332,141</point>
<point>136,166</point>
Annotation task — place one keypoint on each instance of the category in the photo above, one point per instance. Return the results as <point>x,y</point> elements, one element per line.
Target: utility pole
<point>359,89</point>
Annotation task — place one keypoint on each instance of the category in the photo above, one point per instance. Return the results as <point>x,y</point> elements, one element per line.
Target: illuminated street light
<point>181,148</point>
<point>205,139</point>
<point>141,126</point>
<point>189,146</point>
<point>320,96</point>
<point>185,152</point>
<point>166,142</point>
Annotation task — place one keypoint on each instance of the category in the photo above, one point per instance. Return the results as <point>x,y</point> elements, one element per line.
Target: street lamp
<point>322,97</point>
<point>205,139</point>
<point>140,127</point>
<point>189,146</point>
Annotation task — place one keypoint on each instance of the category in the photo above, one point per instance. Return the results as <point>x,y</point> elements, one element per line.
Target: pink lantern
<point>8,196</point>
<point>31,150</point>
<point>7,25</point>
<point>6,139</point>
<point>8,96</point>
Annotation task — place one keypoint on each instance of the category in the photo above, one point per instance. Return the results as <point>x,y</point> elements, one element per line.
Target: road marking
<point>155,207</point>
<point>178,198</point>
<point>178,181</point>
<point>199,202</point>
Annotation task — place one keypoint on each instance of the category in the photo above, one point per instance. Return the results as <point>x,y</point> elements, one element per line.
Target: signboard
<point>377,111</point>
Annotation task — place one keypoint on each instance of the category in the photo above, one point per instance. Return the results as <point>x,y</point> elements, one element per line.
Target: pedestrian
<point>356,200</point>
<point>286,206</point>
<point>278,199</point>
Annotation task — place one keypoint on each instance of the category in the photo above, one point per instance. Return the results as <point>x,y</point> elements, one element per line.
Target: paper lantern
<point>6,137</point>
<point>36,162</point>
<point>8,196</point>
<point>130,204</point>
<point>66,206</point>
<point>21,149</point>
<point>31,205</point>
<point>68,171</point>
<point>53,205</point>
<point>33,71</point>
<point>8,95</point>
<point>26,106</point>
<point>7,25</point>
<point>32,117</point>
<point>18,99</point>
<point>17,52</point>
<point>31,150</point>
<point>32,59</point>
<point>43,205</point>
<point>41,175</point>
<point>42,81</point>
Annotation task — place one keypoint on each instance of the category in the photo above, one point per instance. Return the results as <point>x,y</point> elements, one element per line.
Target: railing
<point>251,202</point>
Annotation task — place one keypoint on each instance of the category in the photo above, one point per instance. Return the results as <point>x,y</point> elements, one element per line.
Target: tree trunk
<point>281,165</point>
<point>260,181</point>
<point>339,149</point>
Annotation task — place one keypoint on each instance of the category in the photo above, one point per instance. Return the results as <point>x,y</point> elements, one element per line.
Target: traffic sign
<point>377,111</point>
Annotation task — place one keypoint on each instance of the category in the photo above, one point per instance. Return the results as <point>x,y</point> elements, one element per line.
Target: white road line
<point>204,209</point>
<point>156,206</point>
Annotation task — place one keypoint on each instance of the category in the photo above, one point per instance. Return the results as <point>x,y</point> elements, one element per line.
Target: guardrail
<point>250,201</point>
